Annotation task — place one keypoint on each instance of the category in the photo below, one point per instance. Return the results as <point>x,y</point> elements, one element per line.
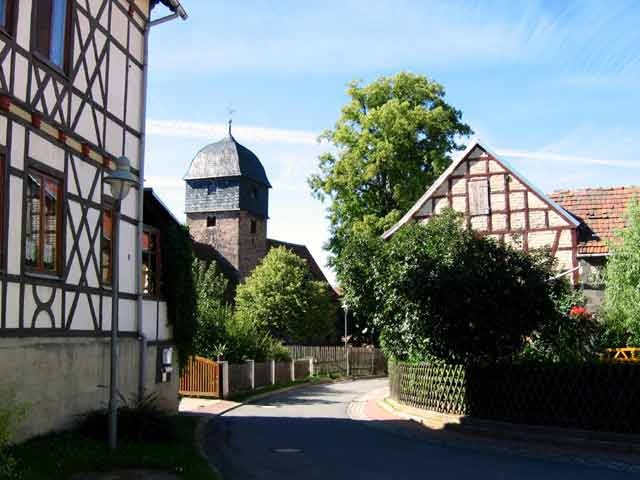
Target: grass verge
<point>57,456</point>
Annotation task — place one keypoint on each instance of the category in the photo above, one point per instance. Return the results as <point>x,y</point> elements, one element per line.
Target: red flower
<point>578,311</point>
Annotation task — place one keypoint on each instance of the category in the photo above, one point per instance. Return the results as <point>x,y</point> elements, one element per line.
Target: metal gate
<point>200,378</point>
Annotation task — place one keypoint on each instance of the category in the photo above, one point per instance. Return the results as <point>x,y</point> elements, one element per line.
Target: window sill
<point>156,298</point>
<point>43,275</point>
<point>48,63</point>
<point>6,33</point>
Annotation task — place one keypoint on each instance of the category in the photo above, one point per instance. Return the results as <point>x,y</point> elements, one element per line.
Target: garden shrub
<point>281,297</point>
<point>573,335</point>
<point>443,291</point>
<point>622,283</point>
<point>221,331</point>
<point>138,420</point>
<point>11,414</point>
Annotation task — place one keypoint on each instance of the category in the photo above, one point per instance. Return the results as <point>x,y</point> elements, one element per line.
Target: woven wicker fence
<point>602,397</point>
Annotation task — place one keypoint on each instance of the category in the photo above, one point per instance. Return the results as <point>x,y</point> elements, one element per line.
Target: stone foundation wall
<point>63,378</point>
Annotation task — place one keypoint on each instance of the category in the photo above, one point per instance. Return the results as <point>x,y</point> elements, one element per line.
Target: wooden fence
<point>334,359</point>
<point>200,378</point>
<point>622,355</point>
<point>239,377</point>
<point>262,374</point>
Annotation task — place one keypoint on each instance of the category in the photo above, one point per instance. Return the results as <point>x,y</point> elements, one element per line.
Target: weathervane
<point>230,112</point>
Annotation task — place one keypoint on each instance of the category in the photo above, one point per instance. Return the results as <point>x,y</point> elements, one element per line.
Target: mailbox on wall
<point>164,364</point>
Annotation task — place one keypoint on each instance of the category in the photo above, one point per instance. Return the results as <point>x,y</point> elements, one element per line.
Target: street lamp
<point>120,182</point>
<point>345,307</point>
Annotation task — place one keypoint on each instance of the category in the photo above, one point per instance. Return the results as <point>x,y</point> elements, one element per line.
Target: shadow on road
<point>248,446</point>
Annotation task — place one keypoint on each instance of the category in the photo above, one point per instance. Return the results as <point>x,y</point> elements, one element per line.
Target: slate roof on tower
<point>226,158</point>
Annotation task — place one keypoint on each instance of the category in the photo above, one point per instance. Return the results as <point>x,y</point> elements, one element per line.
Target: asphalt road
<point>308,434</point>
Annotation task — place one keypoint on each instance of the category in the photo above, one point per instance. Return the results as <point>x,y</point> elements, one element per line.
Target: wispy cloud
<point>355,36</point>
<point>294,165</point>
<point>557,157</point>
<point>207,131</point>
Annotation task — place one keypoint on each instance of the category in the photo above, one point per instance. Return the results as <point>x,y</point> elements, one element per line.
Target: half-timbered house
<point>601,212</point>
<point>72,100</point>
<point>500,203</point>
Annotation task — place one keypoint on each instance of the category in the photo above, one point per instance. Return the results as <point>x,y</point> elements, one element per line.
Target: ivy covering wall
<point>180,289</point>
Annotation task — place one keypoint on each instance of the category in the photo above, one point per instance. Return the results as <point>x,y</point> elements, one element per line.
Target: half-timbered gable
<point>498,202</point>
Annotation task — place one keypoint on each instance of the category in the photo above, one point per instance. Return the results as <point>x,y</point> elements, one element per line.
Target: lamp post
<point>345,307</point>
<point>120,182</point>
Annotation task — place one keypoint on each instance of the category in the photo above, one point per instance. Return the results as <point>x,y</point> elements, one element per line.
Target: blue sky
<point>553,87</point>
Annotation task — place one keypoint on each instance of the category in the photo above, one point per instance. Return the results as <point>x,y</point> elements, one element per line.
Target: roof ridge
<point>596,189</point>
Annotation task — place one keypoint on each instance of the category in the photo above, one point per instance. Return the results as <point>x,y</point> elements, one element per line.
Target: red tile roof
<point>601,211</point>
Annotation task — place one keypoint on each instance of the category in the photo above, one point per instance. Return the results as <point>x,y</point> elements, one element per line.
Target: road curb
<point>550,447</point>
<point>561,437</point>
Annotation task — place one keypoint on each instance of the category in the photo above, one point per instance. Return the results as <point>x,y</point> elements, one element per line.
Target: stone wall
<point>253,246</point>
<point>63,378</point>
<point>224,236</point>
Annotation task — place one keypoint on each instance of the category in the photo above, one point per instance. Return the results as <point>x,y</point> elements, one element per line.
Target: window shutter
<point>479,196</point>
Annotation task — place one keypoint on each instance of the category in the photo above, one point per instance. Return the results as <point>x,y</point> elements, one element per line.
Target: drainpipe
<point>179,12</point>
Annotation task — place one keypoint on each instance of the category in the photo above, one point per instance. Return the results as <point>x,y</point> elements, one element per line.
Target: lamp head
<point>121,179</point>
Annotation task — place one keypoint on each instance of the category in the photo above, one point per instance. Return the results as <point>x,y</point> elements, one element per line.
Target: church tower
<point>227,202</point>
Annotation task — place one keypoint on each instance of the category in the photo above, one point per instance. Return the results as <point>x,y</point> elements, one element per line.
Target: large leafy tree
<point>393,139</point>
<point>622,283</point>
<point>282,297</point>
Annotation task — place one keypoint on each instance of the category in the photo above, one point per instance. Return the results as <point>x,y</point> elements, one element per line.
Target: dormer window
<point>211,221</point>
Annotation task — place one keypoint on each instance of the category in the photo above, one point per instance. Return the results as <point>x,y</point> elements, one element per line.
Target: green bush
<point>212,313</point>
<point>138,420</point>
<point>179,290</point>
<point>443,291</point>
<point>281,298</point>
<point>622,284</point>
<point>221,331</point>
<point>573,335</point>
<point>11,414</point>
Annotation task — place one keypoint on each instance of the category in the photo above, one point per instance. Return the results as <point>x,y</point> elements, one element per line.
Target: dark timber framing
<point>75,102</point>
<point>515,224</point>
